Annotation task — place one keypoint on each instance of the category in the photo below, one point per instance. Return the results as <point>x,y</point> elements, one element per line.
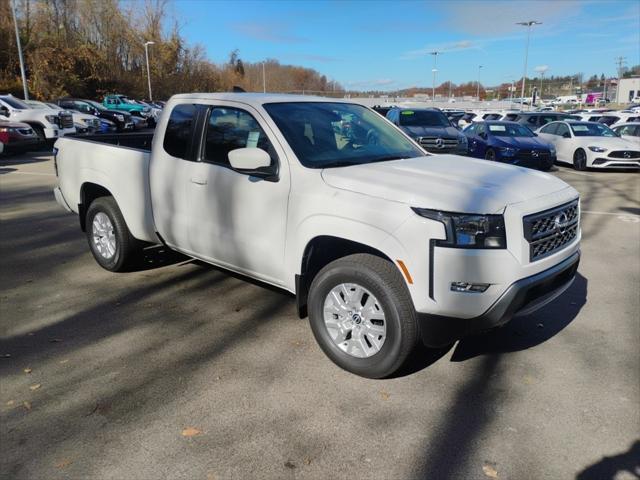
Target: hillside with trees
<point>87,48</point>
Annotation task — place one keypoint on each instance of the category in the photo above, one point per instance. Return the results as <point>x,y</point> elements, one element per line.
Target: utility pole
<point>264,80</point>
<point>527,24</point>
<point>435,64</point>
<point>620,61</point>
<point>22,71</point>
<point>146,54</point>
<point>478,84</point>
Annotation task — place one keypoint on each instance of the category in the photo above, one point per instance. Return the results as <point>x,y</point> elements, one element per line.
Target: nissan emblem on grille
<point>551,230</point>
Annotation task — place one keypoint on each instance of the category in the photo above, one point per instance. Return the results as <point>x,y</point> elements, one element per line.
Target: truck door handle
<point>199,181</point>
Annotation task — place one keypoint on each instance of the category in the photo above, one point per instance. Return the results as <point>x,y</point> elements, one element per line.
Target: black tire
<point>580,160</point>
<point>127,248</point>
<point>384,281</point>
<point>490,155</point>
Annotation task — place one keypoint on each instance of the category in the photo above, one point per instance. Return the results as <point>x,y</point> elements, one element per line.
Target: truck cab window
<point>229,129</point>
<point>177,137</point>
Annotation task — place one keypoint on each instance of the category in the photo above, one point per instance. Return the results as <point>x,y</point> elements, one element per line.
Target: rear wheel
<point>110,241</point>
<point>580,160</point>
<point>362,316</point>
<point>490,155</point>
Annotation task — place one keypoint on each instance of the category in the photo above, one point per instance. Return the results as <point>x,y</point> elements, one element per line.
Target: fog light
<point>469,287</point>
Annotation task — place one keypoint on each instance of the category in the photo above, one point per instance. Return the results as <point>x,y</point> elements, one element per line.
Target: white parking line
<point>625,217</point>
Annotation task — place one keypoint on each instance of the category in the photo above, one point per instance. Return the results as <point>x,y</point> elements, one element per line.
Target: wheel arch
<point>89,191</point>
<point>320,251</point>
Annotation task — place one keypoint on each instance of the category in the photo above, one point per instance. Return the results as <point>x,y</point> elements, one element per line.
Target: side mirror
<point>252,161</point>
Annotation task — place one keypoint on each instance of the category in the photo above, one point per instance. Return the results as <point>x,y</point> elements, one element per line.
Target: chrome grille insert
<point>549,231</point>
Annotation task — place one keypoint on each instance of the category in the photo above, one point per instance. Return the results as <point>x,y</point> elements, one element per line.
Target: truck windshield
<point>15,103</point>
<point>423,118</point>
<point>97,105</point>
<point>324,134</point>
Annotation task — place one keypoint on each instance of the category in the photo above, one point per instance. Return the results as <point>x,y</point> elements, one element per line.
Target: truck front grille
<point>66,120</point>
<point>549,231</point>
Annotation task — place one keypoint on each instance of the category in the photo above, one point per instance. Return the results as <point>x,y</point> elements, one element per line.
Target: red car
<point>18,137</point>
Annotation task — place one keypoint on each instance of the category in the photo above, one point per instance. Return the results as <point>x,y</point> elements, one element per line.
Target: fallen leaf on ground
<point>27,406</point>
<point>307,461</point>
<point>384,395</point>
<point>35,387</point>
<point>290,464</point>
<point>10,403</point>
<point>191,432</point>
<point>64,463</point>
<point>27,370</point>
<point>489,471</point>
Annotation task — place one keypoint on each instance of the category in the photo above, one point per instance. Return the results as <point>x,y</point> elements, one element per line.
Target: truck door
<point>238,220</point>
<point>172,159</point>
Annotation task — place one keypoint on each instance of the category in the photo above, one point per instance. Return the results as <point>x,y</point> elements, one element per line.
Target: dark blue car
<point>509,142</point>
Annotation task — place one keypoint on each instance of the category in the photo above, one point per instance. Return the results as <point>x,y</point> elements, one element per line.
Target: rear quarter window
<point>177,136</point>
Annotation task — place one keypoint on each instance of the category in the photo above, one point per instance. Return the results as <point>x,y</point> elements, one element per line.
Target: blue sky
<point>384,45</point>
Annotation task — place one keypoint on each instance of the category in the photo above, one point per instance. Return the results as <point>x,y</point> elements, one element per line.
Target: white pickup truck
<point>386,247</point>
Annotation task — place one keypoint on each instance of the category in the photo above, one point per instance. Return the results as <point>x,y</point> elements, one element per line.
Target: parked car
<point>138,122</point>
<point>362,233</point>
<point>509,142</point>
<point>535,120</point>
<point>614,118</point>
<point>83,123</point>
<point>107,126</point>
<point>48,124</point>
<point>125,104</point>
<point>121,119</point>
<point>590,145</point>
<point>18,137</point>
<point>628,131</point>
<point>430,128</point>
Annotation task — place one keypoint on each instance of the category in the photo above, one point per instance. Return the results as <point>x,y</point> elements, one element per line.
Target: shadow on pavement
<point>527,331</point>
<point>609,467</point>
<point>22,159</point>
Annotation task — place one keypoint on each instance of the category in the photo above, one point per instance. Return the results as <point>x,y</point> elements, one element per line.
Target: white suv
<point>49,124</point>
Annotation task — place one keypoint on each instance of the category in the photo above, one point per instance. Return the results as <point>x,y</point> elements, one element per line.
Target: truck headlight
<point>468,230</point>
<point>597,149</point>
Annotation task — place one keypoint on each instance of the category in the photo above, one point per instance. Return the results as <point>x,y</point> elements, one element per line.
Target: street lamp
<point>527,24</point>
<point>434,70</point>
<point>478,82</point>
<point>22,72</point>
<point>146,54</point>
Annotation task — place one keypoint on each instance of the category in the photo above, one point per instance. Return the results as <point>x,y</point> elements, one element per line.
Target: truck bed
<point>118,163</point>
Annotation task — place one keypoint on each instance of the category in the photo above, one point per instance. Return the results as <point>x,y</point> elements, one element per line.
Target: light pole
<point>22,72</point>
<point>527,24</point>
<point>146,54</point>
<point>434,70</point>
<point>478,83</point>
<point>541,69</point>
<point>264,80</point>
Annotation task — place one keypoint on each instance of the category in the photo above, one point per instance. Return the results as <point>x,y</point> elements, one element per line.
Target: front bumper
<point>520,298</point>
<point>614,163</point>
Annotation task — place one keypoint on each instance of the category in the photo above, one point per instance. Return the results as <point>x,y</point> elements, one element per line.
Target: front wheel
<point>580,160</point>
<point>110,241</point>
<point>362,316</point>
<point>490,155</point>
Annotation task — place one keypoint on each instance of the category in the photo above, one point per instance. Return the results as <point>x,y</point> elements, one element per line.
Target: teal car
<point>125,104</point>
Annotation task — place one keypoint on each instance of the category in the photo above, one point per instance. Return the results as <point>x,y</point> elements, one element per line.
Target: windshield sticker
<point>580,128</point>
<point>252,140</point>
<point>407,112</point>
<point>497,128</point>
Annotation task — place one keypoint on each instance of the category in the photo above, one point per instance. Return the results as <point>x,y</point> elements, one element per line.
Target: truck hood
<point>445,182</point>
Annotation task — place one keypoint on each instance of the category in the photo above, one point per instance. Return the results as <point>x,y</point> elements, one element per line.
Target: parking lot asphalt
<point>184,371</point>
